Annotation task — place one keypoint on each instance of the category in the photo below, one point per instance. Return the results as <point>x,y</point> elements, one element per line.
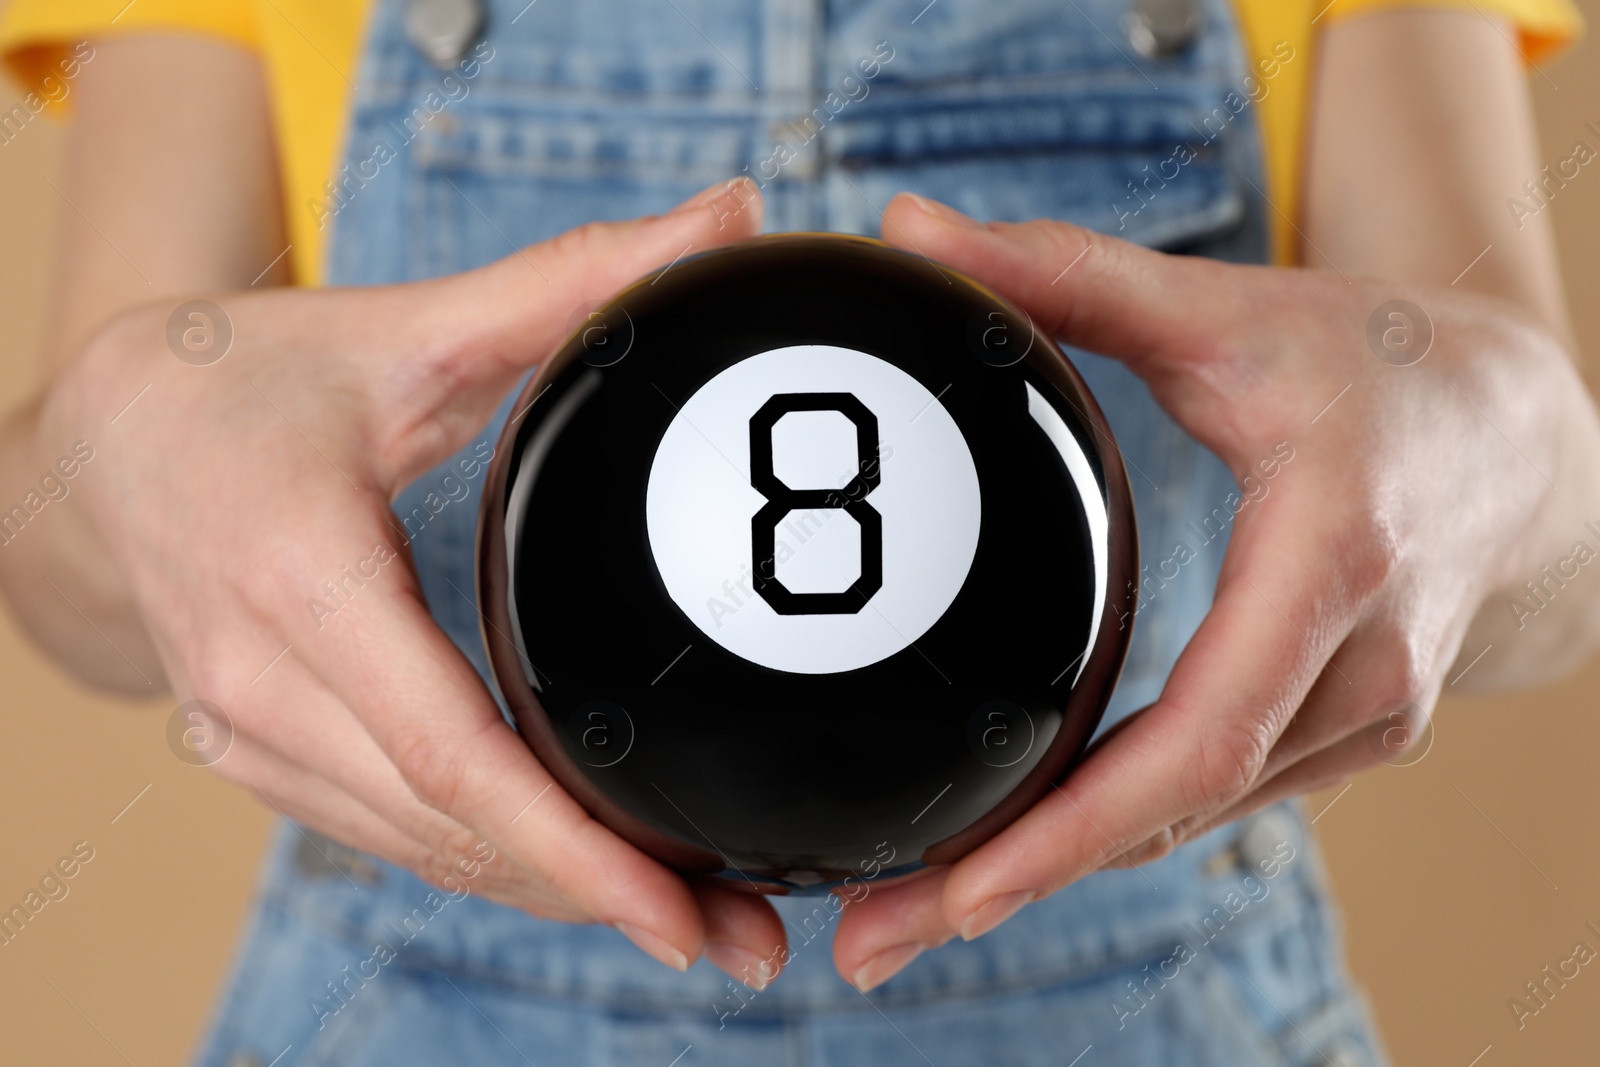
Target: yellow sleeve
<point>1275,29</point>
<point>1545,26</point>
<point>310,86</point>
<point>308,50</point>
<point>36,36</point>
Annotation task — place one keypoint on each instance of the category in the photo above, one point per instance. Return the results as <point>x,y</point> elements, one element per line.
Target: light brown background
<point>1447,910</point>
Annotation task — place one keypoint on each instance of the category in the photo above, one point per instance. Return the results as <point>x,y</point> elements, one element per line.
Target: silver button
<point>1261,839</point>
<point>1158,28</point>
<point>442,29</point>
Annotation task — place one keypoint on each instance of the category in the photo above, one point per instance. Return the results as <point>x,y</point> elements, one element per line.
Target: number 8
<point>782,499</point>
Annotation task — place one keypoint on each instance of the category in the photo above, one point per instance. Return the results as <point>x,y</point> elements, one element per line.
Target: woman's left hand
<point>1421,497</point>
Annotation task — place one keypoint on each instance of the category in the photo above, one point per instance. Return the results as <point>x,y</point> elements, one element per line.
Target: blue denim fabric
<point>574,110</point>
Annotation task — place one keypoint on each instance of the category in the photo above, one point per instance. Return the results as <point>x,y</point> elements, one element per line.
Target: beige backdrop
<point>1461,877</point>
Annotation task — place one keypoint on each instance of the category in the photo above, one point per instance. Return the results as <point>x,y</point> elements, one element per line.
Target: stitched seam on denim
<point>1189,86</point>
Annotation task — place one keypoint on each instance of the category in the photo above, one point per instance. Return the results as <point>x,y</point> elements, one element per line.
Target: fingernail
<point>945,212</point>
<point>741,187</point>
<point>741,964</point>
<point>994,912</point>
<point>653,946</point>
<point>885,965</point>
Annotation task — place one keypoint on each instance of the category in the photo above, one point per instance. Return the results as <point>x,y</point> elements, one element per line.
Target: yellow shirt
<point>310,49</point>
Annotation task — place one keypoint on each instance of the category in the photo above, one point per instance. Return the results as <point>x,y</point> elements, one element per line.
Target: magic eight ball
<point>803,558</point>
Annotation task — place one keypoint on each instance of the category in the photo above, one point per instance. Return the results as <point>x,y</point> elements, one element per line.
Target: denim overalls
<point>565,111</point>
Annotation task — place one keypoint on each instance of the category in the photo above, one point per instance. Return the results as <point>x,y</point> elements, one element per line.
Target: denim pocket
<point>1012,111</point>
<point>1112,159</point>
<point>1116,157</point>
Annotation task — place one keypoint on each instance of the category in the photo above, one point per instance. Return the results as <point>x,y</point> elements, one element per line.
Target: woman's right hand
<point>221,497</point>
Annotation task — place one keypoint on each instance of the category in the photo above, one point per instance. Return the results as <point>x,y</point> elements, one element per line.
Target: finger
<point>1362,745</point>
<point>1396,674</point>
<point>744,935</point>
<point>1090,290</point>
<point>310,801</point>
<point>317,737</point>
<point>309,728</point>
<point>426,708</point>
<point>313,801</point>
<point>1331,713</point>
<point>464,340</point>
<point>1330,767</point>
<point>1198,749</point>
<point>1344,701</point>
<point>286,712</point>
<point>1382,709</point>
<point>1149,850</point>
<point>880,934</point>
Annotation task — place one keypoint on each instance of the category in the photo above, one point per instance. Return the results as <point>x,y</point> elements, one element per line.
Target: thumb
<point>1146,308</point>
<point>472,335</point>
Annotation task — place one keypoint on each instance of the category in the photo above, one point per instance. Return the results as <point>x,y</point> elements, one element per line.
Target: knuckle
<point>205,675</point>
<point>1407,668</point>
<point>1227,763</point>
<point>273,576</point>
<point>221,679</point>
<point>1411,670</point>
<point>431,770</point>
<point>455,852</point>
<point>1192,827</point>
<point>580,241</point>
<point>1156,847</point>
<point>439,869</point>
<point>1369,548</point>
<point>1079,241</point>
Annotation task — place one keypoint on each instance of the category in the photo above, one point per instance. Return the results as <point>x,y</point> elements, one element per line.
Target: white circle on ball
<point>700,503</point>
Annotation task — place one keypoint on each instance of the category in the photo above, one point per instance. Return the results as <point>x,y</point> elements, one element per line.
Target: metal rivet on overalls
<point>1263,837</point>
<point>442,29</point>
<point>1158,28</point>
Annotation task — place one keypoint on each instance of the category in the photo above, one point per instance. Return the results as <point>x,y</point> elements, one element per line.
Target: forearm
<point>1421,131</point>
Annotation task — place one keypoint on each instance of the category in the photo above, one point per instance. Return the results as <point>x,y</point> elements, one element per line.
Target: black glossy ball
<point>800,559</point>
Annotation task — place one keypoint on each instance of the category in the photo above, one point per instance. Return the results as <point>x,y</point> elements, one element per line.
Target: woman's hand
<point>221,498</point>
<point>1420,499</point>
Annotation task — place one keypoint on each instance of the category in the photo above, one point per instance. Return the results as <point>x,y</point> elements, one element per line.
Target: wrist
<point>1542,613</point>
<point>55,573</point>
